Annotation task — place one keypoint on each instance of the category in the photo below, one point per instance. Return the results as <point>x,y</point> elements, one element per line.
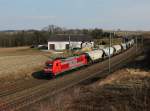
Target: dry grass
<point>125,90</point>
<point>114,41</point>
<point>15,51</point>
<point>20,62</point>
<point>125,74</point>
<point>5,51</point>
<point>11,49</point>
<point>17,66</point>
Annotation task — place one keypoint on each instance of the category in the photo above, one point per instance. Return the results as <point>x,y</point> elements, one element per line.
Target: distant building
<point>62,42</point>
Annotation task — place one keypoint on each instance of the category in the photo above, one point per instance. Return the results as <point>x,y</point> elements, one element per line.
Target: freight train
<point>60,65</point>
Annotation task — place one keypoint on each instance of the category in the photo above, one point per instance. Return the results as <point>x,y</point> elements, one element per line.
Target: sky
<point>105,14</point>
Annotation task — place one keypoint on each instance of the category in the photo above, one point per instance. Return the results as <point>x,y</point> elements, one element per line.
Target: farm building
<point>62,42</point>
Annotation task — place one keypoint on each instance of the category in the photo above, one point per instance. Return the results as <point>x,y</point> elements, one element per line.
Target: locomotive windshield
<point>49,65</point>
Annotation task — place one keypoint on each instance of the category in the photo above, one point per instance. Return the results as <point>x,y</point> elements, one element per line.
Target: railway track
<point>19,86</point>
<point>20,97</point>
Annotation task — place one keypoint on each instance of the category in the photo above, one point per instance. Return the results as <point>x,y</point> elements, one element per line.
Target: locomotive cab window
<point>49,65</point>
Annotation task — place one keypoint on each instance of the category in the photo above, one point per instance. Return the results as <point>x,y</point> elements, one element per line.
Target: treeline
<point>34,37</point>
<point>23,38</point>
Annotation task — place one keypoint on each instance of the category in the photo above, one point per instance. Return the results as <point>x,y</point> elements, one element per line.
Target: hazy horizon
<point>108,15</point>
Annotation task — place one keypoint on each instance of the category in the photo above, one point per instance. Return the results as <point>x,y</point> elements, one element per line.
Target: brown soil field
<point>2,50</point>
<point>20,62</point>
<point>18,51</point>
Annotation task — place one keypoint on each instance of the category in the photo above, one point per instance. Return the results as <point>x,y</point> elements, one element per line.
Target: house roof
<point>77,38</point>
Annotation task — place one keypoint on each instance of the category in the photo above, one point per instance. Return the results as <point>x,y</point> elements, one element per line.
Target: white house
<point>62,42</point>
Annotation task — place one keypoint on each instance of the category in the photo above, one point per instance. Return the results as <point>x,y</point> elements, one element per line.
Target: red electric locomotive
<point>58,66</point>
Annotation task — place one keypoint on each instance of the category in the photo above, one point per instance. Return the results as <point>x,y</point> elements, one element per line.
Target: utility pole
<point>142,43</point>
<point>125,37</point>
<point>69,42</point>
<point>113,37</point>
<point>142,40</point>
<point>109,53</point>
<point>136,44</point>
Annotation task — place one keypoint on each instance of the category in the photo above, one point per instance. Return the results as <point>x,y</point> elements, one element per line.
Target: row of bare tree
<point>23,38</point>
<point>34,37</point>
